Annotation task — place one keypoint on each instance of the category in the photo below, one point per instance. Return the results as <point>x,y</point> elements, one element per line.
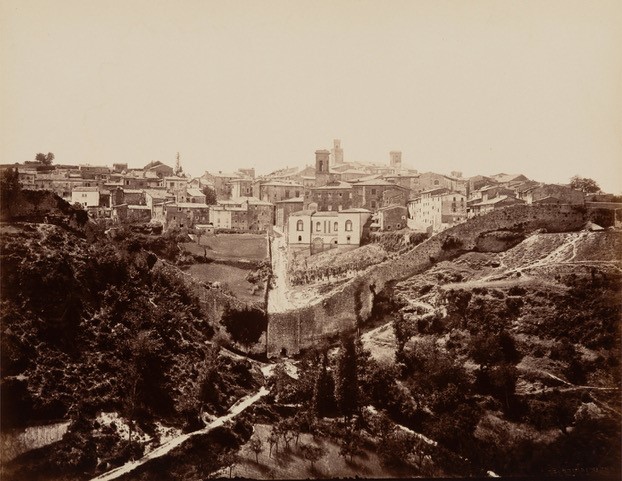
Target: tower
<point>322,172</point>
<point>395,159</point>
<point>178,169</point>
<point>337,152</point>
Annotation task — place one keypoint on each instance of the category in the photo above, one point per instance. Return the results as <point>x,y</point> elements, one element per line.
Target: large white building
<point>322,230</point>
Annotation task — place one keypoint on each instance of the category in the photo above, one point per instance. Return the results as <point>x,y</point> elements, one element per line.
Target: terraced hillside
<point>527,341</point>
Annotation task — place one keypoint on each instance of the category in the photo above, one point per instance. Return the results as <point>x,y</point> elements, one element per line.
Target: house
<point>393,217</point>
<point>436,210</point>
<point>431,180</point>
<point>321,230</point>
<point>276,190</point>
<point>553,194</point>
<point>285,208</point>
<point>242,187</point>
<point>333,196</point>
<point>126,213</point>
<point>509,180</point>
<point>159,168</point>
<point>484,206</point>
<point>190,195</point>
<point>175,184</point>
<point>185,214</point>
<point>85,196</point>
<point>222,182</point>
<point>259,215</point>
<point>490,192</point>
<point>373,194</point>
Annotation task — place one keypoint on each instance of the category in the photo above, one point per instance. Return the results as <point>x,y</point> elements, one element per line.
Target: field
<point>229,276</point>
<point>250,247</point>
<point>292,465</point>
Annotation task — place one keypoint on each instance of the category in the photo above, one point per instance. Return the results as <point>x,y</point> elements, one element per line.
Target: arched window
<point>299,225</point>
<point>335,227</point>
<point>318,226</point>
<point>348,225</point>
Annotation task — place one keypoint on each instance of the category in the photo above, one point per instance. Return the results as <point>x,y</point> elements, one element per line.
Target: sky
<point>482,87</point>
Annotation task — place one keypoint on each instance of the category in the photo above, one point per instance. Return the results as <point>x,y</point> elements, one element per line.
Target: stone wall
<point>341,309</point>
<point>17,441</point>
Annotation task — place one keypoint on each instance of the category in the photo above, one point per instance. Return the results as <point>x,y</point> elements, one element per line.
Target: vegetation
<point>102,325</point>
<point>584,184</point>
<point>45,159</point>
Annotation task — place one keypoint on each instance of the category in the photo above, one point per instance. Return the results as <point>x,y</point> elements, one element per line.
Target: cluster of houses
<point>334,203</point>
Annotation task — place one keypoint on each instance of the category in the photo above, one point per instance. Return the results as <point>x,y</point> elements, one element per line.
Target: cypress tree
<point>346,382</point>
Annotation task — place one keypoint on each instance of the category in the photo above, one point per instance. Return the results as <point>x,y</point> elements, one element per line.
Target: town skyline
<point>489,88</point>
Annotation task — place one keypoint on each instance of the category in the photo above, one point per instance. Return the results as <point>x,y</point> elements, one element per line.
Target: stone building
<point>436,210</point>
<point>319,231</point>
<point>393,217</point>
<point>334,196</point>
<point>284,208</point>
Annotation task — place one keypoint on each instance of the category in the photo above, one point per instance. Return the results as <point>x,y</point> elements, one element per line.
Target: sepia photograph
<point>295,239</point>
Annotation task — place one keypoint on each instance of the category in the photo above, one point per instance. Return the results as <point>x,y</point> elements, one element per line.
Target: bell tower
<point>322,172</point>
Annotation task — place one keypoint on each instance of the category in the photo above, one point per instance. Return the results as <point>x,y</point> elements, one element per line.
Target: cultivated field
<point>251,247</point>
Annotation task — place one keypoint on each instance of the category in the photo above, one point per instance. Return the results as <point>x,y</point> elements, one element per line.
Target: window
<point>318,226</point>
<point>398,226</point>
<point>436,182</point>
<point>373,204</point>
<point>373,191</point>
<point>300,238</point>
<point>335,226</point>
<point>348,226</point>
<point>330,207</point>
<point>297,193</point>
<point>348,239</point>
<point>299,226</point>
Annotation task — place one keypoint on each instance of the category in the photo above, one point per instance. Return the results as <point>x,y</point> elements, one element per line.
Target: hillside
<point>525,342</point>
<point>112,337</point>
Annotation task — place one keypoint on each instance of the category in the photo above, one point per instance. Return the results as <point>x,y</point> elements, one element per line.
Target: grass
<point>290,464</point>
<point>232,277</point>
<point>231,247</point>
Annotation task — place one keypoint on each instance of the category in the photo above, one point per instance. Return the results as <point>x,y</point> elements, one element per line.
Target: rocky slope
<point>92,326</point>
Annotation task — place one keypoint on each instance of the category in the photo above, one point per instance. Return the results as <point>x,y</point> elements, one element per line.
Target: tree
<point>210,195</point>
<point>45,159</point>
<point>585,185</point>
<point>312,453</point>
<point>256,445</point>
<point>230,459</point>
<point>9,188</point>
<point>323,401</point>
<point>346,382</point>
<point>245,326</point>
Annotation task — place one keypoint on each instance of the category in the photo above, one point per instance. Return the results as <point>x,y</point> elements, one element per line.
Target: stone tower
<point>322,172</point>
<point>395,159</point>
<point>337,152</point>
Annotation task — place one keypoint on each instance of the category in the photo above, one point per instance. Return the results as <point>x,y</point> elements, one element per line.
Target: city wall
<point>341,310</point>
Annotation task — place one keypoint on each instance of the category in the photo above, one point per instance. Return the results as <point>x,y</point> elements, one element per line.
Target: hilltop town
<point>332,204</point>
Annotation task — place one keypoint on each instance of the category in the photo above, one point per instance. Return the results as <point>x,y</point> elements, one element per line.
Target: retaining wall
<point>351,303</point>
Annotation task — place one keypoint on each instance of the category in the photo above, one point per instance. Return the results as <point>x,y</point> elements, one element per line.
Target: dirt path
<point>167,447</point>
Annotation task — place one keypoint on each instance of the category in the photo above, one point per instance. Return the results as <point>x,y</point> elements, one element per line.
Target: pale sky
<point>528,86</point>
